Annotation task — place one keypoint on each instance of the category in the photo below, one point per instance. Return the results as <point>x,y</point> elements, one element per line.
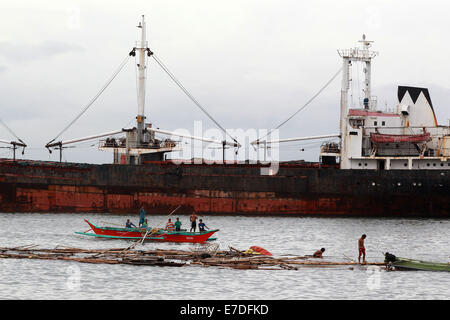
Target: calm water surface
<point>427,239</point>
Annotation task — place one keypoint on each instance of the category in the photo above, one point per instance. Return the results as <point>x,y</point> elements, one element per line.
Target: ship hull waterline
<point>27,186</point>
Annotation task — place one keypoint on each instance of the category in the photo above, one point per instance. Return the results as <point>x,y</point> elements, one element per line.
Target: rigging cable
<point>190,96</point>
<point>305,105</point>
<point>94,98</point>
<point>10,131</point>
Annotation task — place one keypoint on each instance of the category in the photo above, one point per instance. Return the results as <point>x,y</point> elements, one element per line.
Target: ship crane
<point>139,143</point>
<point>15,143</point>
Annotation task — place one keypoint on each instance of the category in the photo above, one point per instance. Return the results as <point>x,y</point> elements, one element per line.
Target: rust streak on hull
<point>221,189</point>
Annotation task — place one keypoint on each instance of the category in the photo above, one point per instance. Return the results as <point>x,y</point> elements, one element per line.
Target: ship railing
<point>122,143</point>
<point>330,147</point>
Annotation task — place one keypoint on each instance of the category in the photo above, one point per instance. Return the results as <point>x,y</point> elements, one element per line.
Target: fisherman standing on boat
<point>193,219</point>
<point>362,249</point>
<point>129,224</point>
<point>141,216</point>
<point>169,225</point>
<point>178,225</point>
<point>202,226</point>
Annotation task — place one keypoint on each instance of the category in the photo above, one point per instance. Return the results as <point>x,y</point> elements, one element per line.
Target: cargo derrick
<point>139,144</point>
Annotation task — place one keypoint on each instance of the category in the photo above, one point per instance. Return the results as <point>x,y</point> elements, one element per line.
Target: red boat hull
<point>164,236</point>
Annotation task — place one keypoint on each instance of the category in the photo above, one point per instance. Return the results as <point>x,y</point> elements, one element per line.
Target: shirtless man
<point>193,219</point>
<point>318,253</point>
<point>362,249</point>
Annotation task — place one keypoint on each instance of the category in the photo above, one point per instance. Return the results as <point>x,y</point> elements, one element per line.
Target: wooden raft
<point>232,258</point>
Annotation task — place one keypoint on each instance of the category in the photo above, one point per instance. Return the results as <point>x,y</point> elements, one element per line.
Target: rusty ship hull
<point>222,189</point>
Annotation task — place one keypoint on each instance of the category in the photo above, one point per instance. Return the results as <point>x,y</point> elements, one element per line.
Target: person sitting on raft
<point>318,253</point>
<point>129,224</point>
<point>202,226</point>
<point>169,225</point>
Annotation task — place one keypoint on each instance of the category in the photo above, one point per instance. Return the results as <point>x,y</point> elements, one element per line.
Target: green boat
<point>412,264</point>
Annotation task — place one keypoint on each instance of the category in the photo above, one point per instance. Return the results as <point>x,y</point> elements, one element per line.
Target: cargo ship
<point>386,163</point>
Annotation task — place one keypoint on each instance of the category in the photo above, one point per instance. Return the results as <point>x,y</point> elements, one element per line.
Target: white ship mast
<point>142,47</point>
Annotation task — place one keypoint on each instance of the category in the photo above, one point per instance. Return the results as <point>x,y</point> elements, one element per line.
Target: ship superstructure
<point>405,139</point>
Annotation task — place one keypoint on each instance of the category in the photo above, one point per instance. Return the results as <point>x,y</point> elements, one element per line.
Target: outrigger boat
<point>157,235</point>
<point>412,264</point>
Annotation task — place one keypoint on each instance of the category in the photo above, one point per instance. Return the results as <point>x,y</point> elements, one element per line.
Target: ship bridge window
<point>356,123</point>
<point>375,123</point>
<point>353,133</point>
<point>383,123</point>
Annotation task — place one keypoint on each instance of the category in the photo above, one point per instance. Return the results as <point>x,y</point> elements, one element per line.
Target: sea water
<point>425,239</point>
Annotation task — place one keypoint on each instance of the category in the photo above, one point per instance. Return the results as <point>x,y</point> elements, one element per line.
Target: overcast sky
<point>250,63</point>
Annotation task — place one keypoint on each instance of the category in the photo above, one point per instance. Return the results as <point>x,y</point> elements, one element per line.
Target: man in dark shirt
<point>129,224</point>
<point>202,226</point>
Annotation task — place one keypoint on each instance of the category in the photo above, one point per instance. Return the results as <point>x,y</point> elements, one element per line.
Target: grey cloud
<point>29,52</point>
